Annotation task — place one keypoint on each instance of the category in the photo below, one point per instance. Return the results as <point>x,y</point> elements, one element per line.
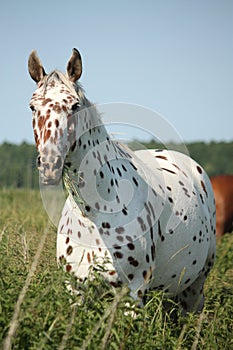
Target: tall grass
<point>38,312</point>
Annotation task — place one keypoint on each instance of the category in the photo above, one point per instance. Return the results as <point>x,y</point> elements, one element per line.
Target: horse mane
<point>75,88</point>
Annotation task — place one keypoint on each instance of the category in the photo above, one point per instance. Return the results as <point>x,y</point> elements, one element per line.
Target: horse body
<point>149,214</point>
<point>223,193</point>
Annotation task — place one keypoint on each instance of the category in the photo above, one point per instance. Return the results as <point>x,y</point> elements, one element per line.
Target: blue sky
<point>174,57</point>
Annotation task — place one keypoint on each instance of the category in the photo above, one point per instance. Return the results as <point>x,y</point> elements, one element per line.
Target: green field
<point>37,311</point>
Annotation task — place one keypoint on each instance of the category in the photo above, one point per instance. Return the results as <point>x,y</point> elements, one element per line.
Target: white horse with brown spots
<point>151,214</point>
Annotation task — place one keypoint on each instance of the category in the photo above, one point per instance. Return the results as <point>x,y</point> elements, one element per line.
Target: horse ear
<point>74,66</point>
<point>35,67</point>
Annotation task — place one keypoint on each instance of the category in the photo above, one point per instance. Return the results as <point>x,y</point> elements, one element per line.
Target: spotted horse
<point>150,213</point>
<point>223,193</point>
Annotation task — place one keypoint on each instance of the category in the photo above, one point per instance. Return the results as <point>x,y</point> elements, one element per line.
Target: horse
<point>223,193</point>
<point>148,215</point>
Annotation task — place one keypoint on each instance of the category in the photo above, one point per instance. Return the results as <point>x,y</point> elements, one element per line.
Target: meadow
<point>38,312</point>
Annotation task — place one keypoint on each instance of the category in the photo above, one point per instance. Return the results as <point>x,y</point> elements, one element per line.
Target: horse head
<point>54,105</point>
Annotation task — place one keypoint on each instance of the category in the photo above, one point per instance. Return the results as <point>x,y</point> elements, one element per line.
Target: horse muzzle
<point>50,172</point>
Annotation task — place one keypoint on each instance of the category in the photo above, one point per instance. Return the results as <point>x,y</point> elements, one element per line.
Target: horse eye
<point>32,108</point>
<point>75,106</point>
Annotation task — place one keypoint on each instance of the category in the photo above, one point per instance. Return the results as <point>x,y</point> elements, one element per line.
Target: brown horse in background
<point>223,193</point>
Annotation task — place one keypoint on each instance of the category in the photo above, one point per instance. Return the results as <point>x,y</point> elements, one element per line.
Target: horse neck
<point>91,171</point>
<point>90,136</point>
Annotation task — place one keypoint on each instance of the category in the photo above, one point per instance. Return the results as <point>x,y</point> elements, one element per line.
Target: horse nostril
<point>38,163</point>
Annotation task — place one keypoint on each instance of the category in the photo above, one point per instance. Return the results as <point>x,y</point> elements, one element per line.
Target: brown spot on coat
<point>161,157</point>
<point>69,250</point>
<point>68,268</point>
<point>204,188</point>
<point>47,134</point>
<point>199,169</point>
<point>47,100</point>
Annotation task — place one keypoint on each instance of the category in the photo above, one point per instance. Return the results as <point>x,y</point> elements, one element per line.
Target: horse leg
<point>192,298</point>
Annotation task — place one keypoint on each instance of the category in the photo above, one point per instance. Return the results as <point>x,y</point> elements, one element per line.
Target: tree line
<point>18,162</point>
<point>18,166</point>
